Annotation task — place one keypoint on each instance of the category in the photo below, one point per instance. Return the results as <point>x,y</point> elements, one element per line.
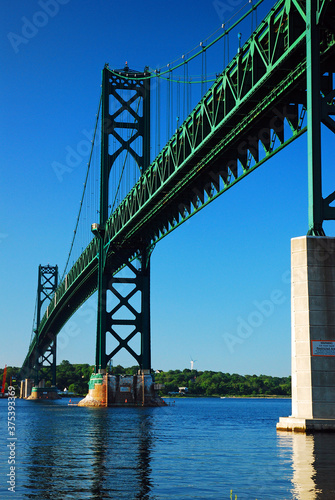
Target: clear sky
<point>222,276</point>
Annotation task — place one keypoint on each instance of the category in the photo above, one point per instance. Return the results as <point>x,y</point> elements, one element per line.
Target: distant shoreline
<point>248,396</point>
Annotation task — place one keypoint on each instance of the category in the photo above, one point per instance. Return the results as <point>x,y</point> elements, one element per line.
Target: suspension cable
<point>34,321</point>
<point>85,184</point>
<point>161,73</point>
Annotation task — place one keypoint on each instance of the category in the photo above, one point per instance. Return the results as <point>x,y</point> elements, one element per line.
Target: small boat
<point>72,404</point>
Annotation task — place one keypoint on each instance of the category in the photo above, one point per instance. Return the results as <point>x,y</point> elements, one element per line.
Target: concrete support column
<point>22,389</point>
<point>29,383</point>
<point>313,335</point>
<point>41,383</point>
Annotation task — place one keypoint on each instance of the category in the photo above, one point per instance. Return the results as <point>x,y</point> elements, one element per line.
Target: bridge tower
<point>125,93</point>
<point>45,367</point>
<point>43,364</point>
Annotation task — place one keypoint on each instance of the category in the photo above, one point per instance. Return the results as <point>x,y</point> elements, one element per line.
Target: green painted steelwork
<point>45,361</point>
<point>96,378</point>
<point>137,280</point>
<point>44,389</point>
<point>314,120</point>
<point>255,108</point>
<point>112,86</point>
<point>320,99</point>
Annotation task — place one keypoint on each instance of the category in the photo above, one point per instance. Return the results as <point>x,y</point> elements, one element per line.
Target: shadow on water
<point>95,454</point>
<point>313,464</point>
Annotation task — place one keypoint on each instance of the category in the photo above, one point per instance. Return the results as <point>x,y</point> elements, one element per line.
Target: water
<point>197,449</point>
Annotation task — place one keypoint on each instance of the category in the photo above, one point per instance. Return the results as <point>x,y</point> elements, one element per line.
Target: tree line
<point>75,378</point>
<point>210,383</point>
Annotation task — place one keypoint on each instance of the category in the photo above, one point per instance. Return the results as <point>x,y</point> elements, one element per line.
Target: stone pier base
<point>313,335</point>
<point>122,390</point>
<point>44,393</point>
<point>305,424</point>
<point>31,392</point>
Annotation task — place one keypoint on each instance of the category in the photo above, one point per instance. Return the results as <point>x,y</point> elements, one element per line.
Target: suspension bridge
<point>278,85</point>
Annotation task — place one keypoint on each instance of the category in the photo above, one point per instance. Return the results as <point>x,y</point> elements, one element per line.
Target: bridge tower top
<point>125,94</point>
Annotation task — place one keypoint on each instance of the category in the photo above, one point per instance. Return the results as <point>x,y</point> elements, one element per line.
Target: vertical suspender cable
<point>171,106</point>
<point>228,47</point>
<point>158,117</point>
<point>185,92</point>
<point>189,94</point>
<point>202,69</point>
<point>224,51</point>
<point>178,102</point>
<point>205,56</point>
<point>168,102</point>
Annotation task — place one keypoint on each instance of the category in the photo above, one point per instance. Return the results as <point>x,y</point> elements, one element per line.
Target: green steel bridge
<point>279,85</point>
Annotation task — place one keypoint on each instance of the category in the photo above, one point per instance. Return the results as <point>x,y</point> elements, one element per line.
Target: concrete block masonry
<point>122,390</point>
<point>313,335</point>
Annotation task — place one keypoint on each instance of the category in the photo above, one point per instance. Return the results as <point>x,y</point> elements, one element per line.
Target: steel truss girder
<point>269,72</point>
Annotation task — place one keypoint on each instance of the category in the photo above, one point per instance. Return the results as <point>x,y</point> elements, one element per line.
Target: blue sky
<point>222,276</point>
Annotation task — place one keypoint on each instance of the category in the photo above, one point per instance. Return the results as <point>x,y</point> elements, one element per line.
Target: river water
<point>197,449</point>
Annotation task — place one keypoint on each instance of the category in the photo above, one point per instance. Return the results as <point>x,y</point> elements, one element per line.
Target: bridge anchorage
<point>258,105</point>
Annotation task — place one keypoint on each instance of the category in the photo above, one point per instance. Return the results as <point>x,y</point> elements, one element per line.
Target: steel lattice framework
<point>43,360</point>
<point>255,108</point>
<point>139,320</point>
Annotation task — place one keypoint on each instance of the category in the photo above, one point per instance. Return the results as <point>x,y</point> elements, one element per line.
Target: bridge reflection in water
<point>199,448</point>
<point>107,456</point>
<point>313,463</point>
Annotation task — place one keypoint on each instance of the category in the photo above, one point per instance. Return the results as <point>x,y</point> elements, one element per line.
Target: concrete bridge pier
<point>313,335</point>
<point>122,390</point>
<point>29,391</point>
<point>26,388</point>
